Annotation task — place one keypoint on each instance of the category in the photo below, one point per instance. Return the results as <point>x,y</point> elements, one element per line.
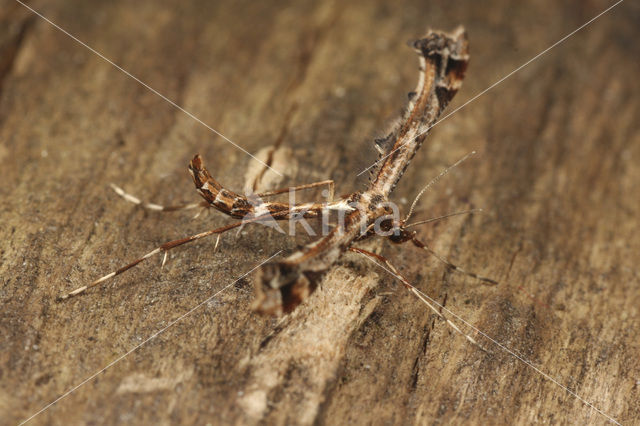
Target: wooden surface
<point>557,175</point>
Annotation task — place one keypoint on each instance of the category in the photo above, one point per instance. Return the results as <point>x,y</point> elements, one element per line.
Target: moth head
<point>281,287</point>
<point>401,235</point>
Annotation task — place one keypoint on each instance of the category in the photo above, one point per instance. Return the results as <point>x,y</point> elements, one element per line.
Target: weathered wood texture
<point>558,177</point>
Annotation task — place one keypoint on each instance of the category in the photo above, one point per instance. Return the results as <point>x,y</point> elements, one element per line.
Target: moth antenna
<point>434,181</point>
<point>429,250</point>
<point>376,258</point>
<point>448,215</point>
<point>153,206</point>
<point>163,248</point>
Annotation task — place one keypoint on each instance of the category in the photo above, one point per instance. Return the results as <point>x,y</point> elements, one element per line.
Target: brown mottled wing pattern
<point>282,286</point>
<point>443,61</point>
<point>241,206</point>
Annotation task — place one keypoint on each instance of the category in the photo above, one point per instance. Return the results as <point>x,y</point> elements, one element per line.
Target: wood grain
<point>557,177</point>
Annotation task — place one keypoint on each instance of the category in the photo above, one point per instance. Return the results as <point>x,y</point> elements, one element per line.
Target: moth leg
<point>157,207</point>
<point>329,183</point>
<point>377,259</point>
<point>161,249</point>
<point>284,130</point>
<point>215,248</point>
<point>456,268</point>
